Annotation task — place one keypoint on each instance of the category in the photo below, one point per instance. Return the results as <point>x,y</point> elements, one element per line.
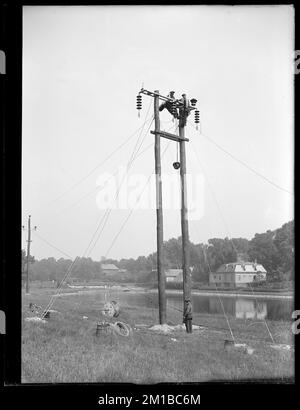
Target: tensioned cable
<point>135,149</point>
<point>52,246</point>
<point>235,248</point>
<point>129,215</point>
<point>198,160</point>
<point>243,163</point>
<point>95,243</point>
<point>50,304</point>
<point>97,188</point>
<point>100,163</point>
<point>69,271</point>
<point>268,329</point>
<point>220,300</point>
<point>85,252</point>
<point>109,210</point>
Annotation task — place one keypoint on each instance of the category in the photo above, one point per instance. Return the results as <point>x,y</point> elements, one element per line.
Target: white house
<point>238,274</point>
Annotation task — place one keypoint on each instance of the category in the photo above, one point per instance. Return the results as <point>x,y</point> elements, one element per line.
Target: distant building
<point>238,274</point>
<point>174,275</point>
<point>109,268</point>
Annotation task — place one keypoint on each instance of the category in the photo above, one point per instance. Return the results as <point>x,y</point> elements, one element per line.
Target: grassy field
<point>66,349</point>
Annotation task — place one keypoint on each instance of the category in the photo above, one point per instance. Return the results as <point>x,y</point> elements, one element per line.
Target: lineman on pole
<point>184,110</point>
<point>170,105</point>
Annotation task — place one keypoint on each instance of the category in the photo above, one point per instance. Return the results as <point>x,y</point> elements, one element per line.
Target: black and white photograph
<point>157,195</point>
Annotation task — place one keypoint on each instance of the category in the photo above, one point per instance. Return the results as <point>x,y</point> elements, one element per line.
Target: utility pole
<point>162,302</point>
<point>179,109</point>
<point>28,252</point>
<point>187,280</point>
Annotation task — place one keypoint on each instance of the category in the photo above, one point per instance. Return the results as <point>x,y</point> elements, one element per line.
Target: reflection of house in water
<point>239,308</point>
<point>250,309</point>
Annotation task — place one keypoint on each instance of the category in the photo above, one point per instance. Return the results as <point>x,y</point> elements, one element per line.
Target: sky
<point>83,67</point>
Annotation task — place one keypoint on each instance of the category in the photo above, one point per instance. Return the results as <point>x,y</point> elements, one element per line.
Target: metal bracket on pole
<point>172,137</point>
<point>162,97</point>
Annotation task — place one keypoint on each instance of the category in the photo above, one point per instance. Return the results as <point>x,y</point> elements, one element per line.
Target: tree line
<point>273,249</point>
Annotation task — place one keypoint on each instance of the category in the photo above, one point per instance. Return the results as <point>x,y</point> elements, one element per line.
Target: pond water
<point>236,306</point>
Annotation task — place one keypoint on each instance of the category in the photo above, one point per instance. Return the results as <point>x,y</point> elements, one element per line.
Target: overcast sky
<point>82,70</point>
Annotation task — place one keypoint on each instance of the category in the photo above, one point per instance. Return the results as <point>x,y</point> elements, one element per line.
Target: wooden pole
<point>162,303</point>
<point>28,255</point>
<point>184,225</point>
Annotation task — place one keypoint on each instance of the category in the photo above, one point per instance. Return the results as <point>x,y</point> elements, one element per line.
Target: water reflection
<point>239,307</point>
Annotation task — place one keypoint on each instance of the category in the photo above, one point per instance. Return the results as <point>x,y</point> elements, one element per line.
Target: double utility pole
<point>28,251</point>
<point>179,109</point>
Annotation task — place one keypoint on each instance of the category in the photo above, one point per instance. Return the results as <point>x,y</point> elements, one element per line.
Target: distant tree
<point>173,252</point>
<point>284,243</point>
<point>262,248</point>
<point>273,249</point>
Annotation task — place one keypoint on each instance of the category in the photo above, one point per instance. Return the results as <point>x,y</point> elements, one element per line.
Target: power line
<point>209,185</point>
<point>137,149</point>
<point>235,249</point>
<point>116,197</point>
<point>220,300</point>
<point>102,220</point>
<point>108,211</point>
<point>244,164</point>
<point>99,164</point>
<point>97,188</point>
<point>52,246</point>
<point>50,304</point>
<point>106,215</point>
<point>129,215</point>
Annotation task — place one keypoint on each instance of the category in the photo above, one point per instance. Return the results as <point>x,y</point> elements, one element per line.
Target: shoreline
<point>237,294</point>
<point>254,295</point>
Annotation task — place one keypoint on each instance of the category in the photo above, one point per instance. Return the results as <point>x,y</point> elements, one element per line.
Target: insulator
<point>176,165</point>
<point>139,102</point>
<point>193,102</point>
<point>174,107</point>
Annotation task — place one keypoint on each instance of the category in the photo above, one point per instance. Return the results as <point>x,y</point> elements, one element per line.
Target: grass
<point>65,349</point>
